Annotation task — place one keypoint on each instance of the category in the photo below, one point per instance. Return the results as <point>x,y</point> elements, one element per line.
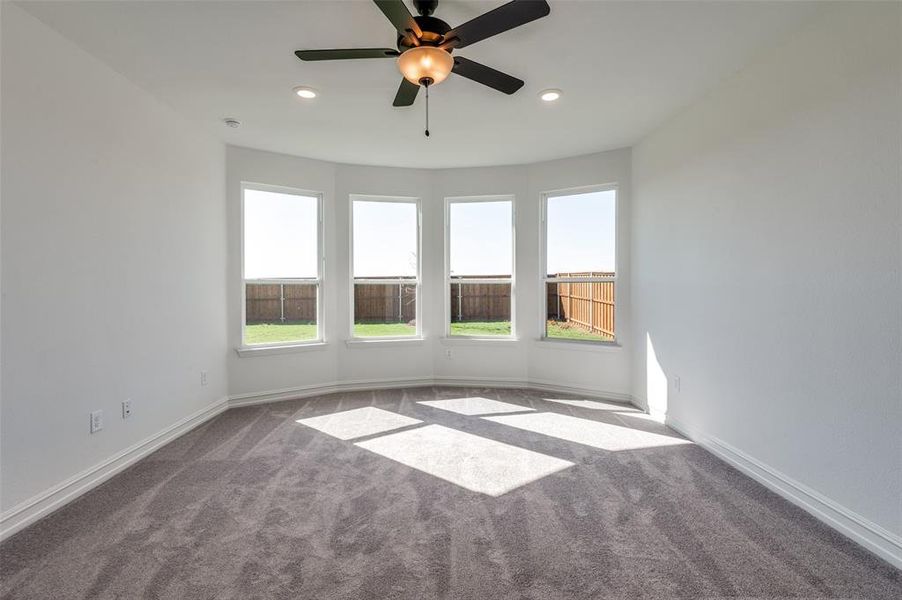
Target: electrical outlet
<point>676,383</point>
<point>126,409</point>
<point>96,421</point>
<point>203,378</point>
<point>448,354</point>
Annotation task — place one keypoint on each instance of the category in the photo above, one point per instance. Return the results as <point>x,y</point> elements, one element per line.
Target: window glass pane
<point>280,312</point>
<point>480,309</point>
<point>580,234</point>
<point>481,239</point>
<point>385,239</point>
<point>580,311</point>
<point>280,235</point>
<point>385,310</point>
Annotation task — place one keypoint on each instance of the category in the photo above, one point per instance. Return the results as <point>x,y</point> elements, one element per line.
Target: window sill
<point>251,351</point>
<point>462,340</point>
<point>584,346</point>
<point>390,342</point>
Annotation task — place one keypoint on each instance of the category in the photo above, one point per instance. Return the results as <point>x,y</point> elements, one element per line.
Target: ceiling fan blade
<point>407,93</point>
<point>486,75</point>
<point>505,17</point>
<point>399,16</point>
<point>346,53</point>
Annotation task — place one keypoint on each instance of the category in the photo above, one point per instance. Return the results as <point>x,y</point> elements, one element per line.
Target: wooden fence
<point>589,305</point>
<point>385,303</point>
<point>268,302</point>
<point>480,302</point>
<point>378,303</point>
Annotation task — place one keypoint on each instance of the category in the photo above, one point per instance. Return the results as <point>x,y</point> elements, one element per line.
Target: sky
<point>280,236</point>
<point>481,241</point>
<point>581,233</point>
<point>385,239</point>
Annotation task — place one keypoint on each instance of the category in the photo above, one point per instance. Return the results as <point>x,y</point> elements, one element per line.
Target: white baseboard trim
<point>317,389</point>
<point>268,396</point>
<point>551,386</point>
<point>875,538</point>
<point>27,512</point>
<point>642,404</point>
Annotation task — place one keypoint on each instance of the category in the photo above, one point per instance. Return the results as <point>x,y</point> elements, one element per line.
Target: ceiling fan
<point>425,44</point>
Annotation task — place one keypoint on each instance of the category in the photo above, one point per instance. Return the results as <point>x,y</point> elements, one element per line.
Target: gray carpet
<point>534,498</point>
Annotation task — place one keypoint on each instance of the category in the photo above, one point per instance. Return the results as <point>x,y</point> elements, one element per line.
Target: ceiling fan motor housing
<point>434,30</point>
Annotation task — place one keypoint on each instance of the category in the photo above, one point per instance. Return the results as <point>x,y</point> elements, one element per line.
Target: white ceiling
<point>624,68</point>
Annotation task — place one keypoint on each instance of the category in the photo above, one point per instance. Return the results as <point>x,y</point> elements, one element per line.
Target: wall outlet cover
<point>96,421</point>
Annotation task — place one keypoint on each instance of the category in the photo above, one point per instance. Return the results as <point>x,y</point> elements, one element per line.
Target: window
<point>281,266</point>
<point>479,266</point>
<point>385,244</point>
<point>580,266</point>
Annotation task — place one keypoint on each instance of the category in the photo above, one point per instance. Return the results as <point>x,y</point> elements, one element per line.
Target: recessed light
<point>307,93</point>
<point>233,123</point>
<point>549,95</point>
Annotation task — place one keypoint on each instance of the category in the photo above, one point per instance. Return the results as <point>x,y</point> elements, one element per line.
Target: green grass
<point>299,331</point>
<point>481,328</point>
<point>383,329</point>
<point>561,330</point>
<point>272,333</point>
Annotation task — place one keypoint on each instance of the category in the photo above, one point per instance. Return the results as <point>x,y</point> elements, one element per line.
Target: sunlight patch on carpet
<point>359,422</point>
<point>475,406</point>
<point>470,461</point>
<point>590,433</point>
<point>592,404</point>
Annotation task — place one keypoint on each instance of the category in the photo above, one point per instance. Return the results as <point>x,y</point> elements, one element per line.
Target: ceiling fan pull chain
<point>426,85</point>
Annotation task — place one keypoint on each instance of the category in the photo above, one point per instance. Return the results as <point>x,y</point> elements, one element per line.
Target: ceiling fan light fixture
<point>307,93</point>
<point>549,95</point>
<point>425,63</point>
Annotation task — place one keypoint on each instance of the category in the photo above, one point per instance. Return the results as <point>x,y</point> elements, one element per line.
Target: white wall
<point>766,264</point>
<point>526,359</point>
<point>113,236</point>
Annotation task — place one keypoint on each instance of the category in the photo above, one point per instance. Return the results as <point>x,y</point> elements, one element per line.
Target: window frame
<point>448,281</point>
<point>364,281</point>
<point>544,280</point>
<point>318,280</point>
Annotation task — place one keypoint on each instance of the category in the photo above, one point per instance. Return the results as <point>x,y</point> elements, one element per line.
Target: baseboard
<point>875,538</point>
<point>551,386</point>
<point>277,395</point>
<point>318,389</point>
<point>36,507</point>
